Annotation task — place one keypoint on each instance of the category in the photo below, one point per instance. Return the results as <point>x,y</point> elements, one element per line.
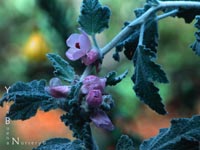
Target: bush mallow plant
<point>83,97</point>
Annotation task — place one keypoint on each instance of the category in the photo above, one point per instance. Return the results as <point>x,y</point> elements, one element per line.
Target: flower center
<point>77,45</point>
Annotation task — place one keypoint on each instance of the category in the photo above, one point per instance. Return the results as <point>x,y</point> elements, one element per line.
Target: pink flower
<point>80,47</point>
<point>90,57</point>
<point>101,120</point>
<point>94,98</point>
<point>93,82</point>
<point>56,89</point>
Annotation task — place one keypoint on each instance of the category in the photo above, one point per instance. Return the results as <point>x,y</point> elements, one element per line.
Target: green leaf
<point>184,134</point>
<point>151,28</point>
<point>145,66</point>
<point>74,93</point>
<point>61,144</point>
<point>27,97</point>
<point>93,18</point>
<point>113,79</point>
<point>125,143</point>
<point>62,67</point>
<point>187,13</point>
<point>147,71</point>
<point>196,45</point>
<point>129,45</point>
<point>131,42</point>
<point>151,35</point>
<point>153,2</point>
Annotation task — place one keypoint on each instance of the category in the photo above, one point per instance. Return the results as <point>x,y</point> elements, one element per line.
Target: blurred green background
<point>30,29</point>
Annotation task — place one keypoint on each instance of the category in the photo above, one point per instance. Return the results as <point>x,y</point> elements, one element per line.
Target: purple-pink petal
<point>72,40</point>
<point>74,53</point>
<point>94,98</point>
<point>56,89</point>
<point>84,42</point>
<point>90,57</point>
<point>59,91</point>
<point>101,120</point>
<point>93,82</point>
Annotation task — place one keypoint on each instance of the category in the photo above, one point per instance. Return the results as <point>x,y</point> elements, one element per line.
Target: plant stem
<point>86,72</point>
<point>95,42</point>
<point>171,13</point>
<point>142,29</point>
<point>138,21</point>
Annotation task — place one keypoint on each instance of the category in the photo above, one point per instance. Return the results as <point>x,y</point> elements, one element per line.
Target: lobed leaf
<point>196,45</point>
<point>188,14</point>
<point>93,18</point>
<point>125,143</point>
<point>62,67</point>
<point>28,98</point>
<point>147,71</point>
<point>113,79</point>
<point>182,135</point>
<point>145,66</point>
<point>61,144</point>
<point>131,42</point>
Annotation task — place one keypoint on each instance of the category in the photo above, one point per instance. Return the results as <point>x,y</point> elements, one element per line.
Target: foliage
<point>61,144</point>
<point>28,98</point>
<point>84,99</point>
<point>113,80</point>
<point>146,71</point>
<point>195,46</point>
<point>183,134</point>
<point>94,18</point>
<point>62,67</point>
<point>124,143</point>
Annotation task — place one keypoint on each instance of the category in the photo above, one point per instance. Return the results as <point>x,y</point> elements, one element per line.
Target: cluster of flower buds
<point>93,88</point>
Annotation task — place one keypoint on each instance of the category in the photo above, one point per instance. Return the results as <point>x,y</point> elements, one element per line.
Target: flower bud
<point>93,82</point>
<point>94,98</point>
<point>90,57</point>
<point>56,89</point>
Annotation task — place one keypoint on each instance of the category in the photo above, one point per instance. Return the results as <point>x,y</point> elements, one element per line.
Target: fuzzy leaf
<point>144,61</point>
<point>151,35</point>
<point>74,93</point>
<point>113,79</point>
<point>61,144</point>
<point>147,71</point>
<point>93,18</point>
<point>188,14</point>
<point>62,67</point>
<point>27,98</point>
<point>196,45</point>
<point>182,135</point>
<point>129,45</point>
<point>151,28</point>
<point>124,143</point>
<point>131,42</point>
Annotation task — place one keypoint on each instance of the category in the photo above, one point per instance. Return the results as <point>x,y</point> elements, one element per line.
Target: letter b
<point>7,120</point>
